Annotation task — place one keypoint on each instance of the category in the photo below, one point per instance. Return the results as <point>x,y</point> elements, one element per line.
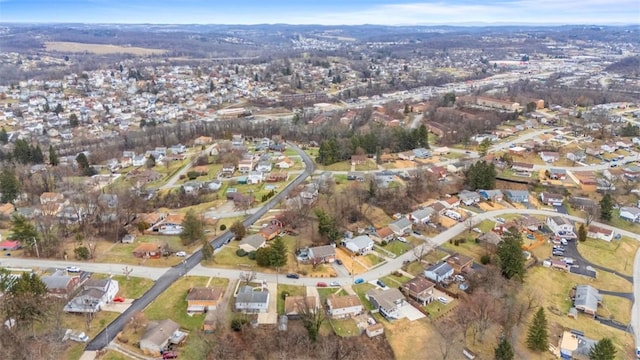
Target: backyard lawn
<point>397,247</point>
<point>292,290</point>
<point>133,288</point>
<point>345,328</point>
<point>361,289</point>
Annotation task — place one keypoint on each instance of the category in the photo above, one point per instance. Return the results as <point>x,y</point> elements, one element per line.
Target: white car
<point>181,254</point>
<point>73,269</point>
<point>402,239</point>
<point>334,283</point>
<point>443,300</point>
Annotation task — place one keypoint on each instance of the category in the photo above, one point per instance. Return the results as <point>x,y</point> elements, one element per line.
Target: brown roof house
<point>419,288</point>
<point>200,300</point>
<point>322,254</point>
<point>296,305</point>
<point>61,285</point>
<point>148,251</point>
<point>340,307</point>
<point>160,335</point>
<point>460,263</point>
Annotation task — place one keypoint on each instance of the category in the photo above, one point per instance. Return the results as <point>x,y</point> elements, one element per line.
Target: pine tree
<point>582,233</point>
<point>603,350</point>
<point>278,253</point>
<point>207,251</point>
<point>504,351</point>
<point>192,229</point>
<point>606,207</point>
<point>53,157</point>
<point>9,186</point>
<point>537,337</point>
<point>4,136</point>
<point>510,256</point>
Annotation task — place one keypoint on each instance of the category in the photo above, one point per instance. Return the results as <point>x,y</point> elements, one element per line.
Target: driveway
<point>571,250</point>
<point>271,316</point>
<point>411,313</point>
<point>118,307</point>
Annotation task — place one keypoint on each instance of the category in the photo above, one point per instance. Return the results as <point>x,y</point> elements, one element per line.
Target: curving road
<point>174,273</point>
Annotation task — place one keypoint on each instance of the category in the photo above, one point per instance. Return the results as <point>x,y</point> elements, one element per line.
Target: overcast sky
<point>326,12</point>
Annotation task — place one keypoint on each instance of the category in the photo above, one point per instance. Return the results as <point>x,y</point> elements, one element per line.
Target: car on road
<point>381,284</point>
<point>293,276</point>
<point>402,239</point>
<point>467,152</point>
<point>334,283</point>
<point>443,300</point>
<point>118,299</point>
<point>181,254</point>
<point>359,281</point>
<point>169,355</point>
<point>338,261</point>
<point>321,284</point>
<point>73,269</point>
<point>500,220</point>
<point>416,232</point>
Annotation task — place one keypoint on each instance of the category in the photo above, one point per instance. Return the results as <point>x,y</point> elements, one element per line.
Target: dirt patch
<point>73,47</point>
<point>489,207</point>
<point>446,222</point>
<point>355,266</point>
<point>407,339</point>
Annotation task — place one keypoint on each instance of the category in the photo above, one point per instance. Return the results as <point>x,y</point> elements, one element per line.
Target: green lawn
<point>436,307</point>
<point>133,288</point>
<point>123,253</point>
<point>227,257</point>
<point>339,166</point>
<point>345,328</point>
<point>397,247</point>
<point>292,290</point>
<point>324,292</point>
<point>486,226</point>
<point>415,268</point>
<point>617,254</point>
<point>435,256</point>
<point>395,281</point>
<point>374,259</point>
<point>78,322</point>
<point>172,303</point>
<point>361,289</point>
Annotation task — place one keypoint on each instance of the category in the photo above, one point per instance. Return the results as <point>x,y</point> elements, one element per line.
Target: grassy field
<point>395,281</point>
<point>397,247</point>
<point>339,166</point>
<point>361,289</point>
<point>292,290</point>
<point>133,288</point>
<point>78,322</point>
<point>123,253</point>
<point>616,308</point>
<point>113,355</point>
<point>617,255</point>
<point>373,259</point>
<point>324,292</point>
<point>345,328</point>
<point>102,49</point>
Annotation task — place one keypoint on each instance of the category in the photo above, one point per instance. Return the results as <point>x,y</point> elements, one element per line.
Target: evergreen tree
<point>504,351</point>
<point>58,109</point>
<point>27,299</point>
<point>53,157</point>
<point>151,162</point>
<point>481,175</point>
<point>9,186</point>
<point>510,255</point>
<point>36,155</point>
<point>23,231</point>
<point>207,251</point>
<point>4,136</point>
<point>603,350</point>
<point>484,146</point>
<point>327,225</point>
<point>606,207</point>
<point>22,151</point>
<point>582,233</point>
<point>73,120</point>
<point>192,229</point>
<point>263,256</point>
<point>537,337</point>
<point>277,253</point>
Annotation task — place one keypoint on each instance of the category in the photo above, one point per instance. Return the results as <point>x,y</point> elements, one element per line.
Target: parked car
<point>73,269</point>
<point>381,284</point>
<point>416,232</point>
<point>293,276</point>
<point>558,247</point>
<point>459,278</point>
<point>402,239</point>
<point>530,236</point>
<point>181,254</point>
<point>500,220</point>
<point>321,284</point>
<point>334,283</point>
<point>169,355</point>
<point>118,299</point>
<point>558,253</point>
<point>617,236</point>
<point>338,261</point>
<point>359,281</point>
<point>443,300</point>
<point>564,242</point>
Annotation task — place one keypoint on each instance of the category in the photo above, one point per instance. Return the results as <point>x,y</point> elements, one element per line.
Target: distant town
<point>315,192</point>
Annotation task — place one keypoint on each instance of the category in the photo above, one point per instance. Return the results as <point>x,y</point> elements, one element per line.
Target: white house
<point>254,177</point>
<point>250,301</point>
<point>469,197</point>
<point>560,226</point>
<point>422,216</point>
<point>630,213</point>
<point>138,160</point>
<point>401,226</point>
<point>264,166</point>
<point>551,199</point>
<point>549,157</point>
<point>359,245</point>
<point>439,272</point>
<point>340,307</point>
<point>600,233</point>
<point>94,295</point>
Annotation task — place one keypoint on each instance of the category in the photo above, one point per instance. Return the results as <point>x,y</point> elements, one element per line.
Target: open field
<point>100,49</point>
<point>133,288</point>
<point>616,255</point>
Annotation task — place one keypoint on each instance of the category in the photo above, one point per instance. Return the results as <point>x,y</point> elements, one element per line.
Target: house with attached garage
<point>341,307</point>
<point>422,216</point>
<point>384,234</point>
<point>522,169</point>
<point>420,289</point>
<point>460,263</point>
<point>359,245</point>
<point>491,195</point>
<point>469,197</point>
<point>551,199</point>
<point>322,254</point>
<point>296,305</point>
<point>517,196</point>
<point>600,233</point>
<point>203,299</point>
<point>439,272</point>
<point>586,298</point>
<point>388,302</point>
<point>255,177</point>
<point>549,157</point>
<point>561,226</point>
<point>557,174</point>
<point>252,242</point>
<point>249,300</point>
<point>630,213</point>
<point>401,226</point>
<point>159,335</point>
<point>94,295</point>
<point>61,285</point>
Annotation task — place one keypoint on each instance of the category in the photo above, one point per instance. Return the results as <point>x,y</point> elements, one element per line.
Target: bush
<point>456,242</point>
<point>485,259</point>
<point>284,295</point>
<point>384,243</point>
<point>252,255</point>
<point>241,253</point>
<point>223,227</point>
<point>238,323</point>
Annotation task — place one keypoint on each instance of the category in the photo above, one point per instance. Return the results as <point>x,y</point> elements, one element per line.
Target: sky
<point>325,12</point>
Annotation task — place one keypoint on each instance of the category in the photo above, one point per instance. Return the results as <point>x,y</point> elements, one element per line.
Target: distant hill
<point>627,66</point>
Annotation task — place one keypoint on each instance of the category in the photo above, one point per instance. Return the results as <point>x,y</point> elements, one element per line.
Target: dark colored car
<point>338,261</point>
<point>293,276</point>
<point>381,284</point>
<point>169,355</point>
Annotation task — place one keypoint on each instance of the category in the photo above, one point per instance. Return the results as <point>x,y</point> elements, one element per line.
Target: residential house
<point>284,163</point>
<point>254,177</point>
<point>250,301</point>
<point>549,157</point>
<point>586,299</point>
<point>491,195</point>
<point>551,199</point>
<point>264,166</point>
<point>271,231</point>
<point>421,153</point>
<point>359,245</point>
<point>401,226</point>
<point>517,196</point>
<point>309,192</point>
<point>159,335</point>
<point>61,285</point>
<point>531,223</point>
<point>460,263</point>
<point>241,201</point>
<point>388,302</point>
<point>631,172</point>
<point>341,307</point>
<point>322,254</point>
<point>489,239</point>
<point>148,251</point>
<point>228,170</point>
<point>597,232</point>
<point>387,158</point>
<point>440,172</point>
<point>574,345</point>
<point>296,305</point>
<point>94,295</point>
<point>355,175</point>
<point>407,155</point>
<point>128,239</point>
<point>384,234</point>
<point>557,174</point>
<point>178,149</point>
<point>51,197</point>
<point>252,242</point>
<point>244,166</point>
<point>358,159</point>
<point>630,213</point>
<point>422,216</point>
<point>469,197</point>
<point>214,185</point>
<point>451,202</point>
<point>203,299</point>
<point>439,272</point>
<point>420,289</point>
<point>276,177</point>
<point>522,169</point>
<point>8,245</point>
<point>203,140</point>
<point>138,160</point>
<point>560,226</point>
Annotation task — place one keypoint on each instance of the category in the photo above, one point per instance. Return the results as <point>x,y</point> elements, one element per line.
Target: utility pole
<point>35,241</point>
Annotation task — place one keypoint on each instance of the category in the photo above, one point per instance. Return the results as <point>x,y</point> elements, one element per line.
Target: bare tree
<point>248,276</point>
<point>126,271</point>
<point>450,334</point>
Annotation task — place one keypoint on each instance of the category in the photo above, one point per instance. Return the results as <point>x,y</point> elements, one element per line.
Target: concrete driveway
<point>271,316</point>
<point>410,312</point>
<point>118,307</point>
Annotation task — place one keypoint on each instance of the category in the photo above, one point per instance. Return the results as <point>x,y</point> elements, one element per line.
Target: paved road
<point>174,273</point>
<point>635,310</point>
<point>171,182</point>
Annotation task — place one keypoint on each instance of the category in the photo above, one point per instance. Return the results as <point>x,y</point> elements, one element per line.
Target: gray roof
<point>440,269</point>
<point>559,220</point>
<point>490,238</point>
<point>56,282</point>
<point>632,210</point>
<point>401,223</point>
<point>322,251</point>
<point>97,283</point>
<point>161,332</point>
<point>423,213</point>
<point>465,194</point>
<point>587,296</point>
<point>358,242</point>
<point>255,240</point>
<point>247,295</point>
<point>516,193</point>
<point>386,299</point>
<point>491,193</point>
